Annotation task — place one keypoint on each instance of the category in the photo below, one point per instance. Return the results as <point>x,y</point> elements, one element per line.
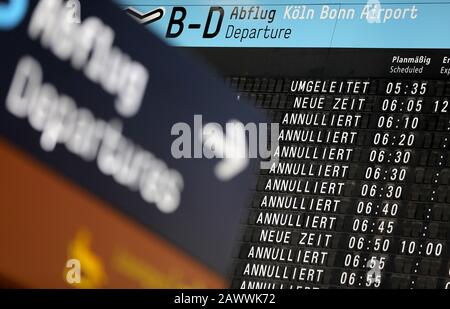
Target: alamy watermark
<point>73,272</point>
<point>235,142</point>
<point>73,13</point>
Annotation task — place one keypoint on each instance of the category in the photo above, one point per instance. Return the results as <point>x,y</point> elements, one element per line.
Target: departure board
<point>357,195</point>
<point>360,197</point>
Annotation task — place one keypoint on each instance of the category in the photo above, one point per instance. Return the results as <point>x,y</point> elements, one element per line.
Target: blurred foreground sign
<point>96,97</point>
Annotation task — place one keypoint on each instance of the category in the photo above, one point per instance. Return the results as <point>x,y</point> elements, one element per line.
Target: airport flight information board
<point>358,193</point>
<point>359,197</point>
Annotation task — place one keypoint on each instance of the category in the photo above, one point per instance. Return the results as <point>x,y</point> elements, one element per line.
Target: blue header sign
<point>339,24</point>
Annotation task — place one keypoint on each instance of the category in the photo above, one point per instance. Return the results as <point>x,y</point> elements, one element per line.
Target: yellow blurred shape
<point>92,271</point>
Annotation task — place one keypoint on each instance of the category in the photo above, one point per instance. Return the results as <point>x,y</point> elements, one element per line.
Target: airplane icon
<point>146,18</point>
